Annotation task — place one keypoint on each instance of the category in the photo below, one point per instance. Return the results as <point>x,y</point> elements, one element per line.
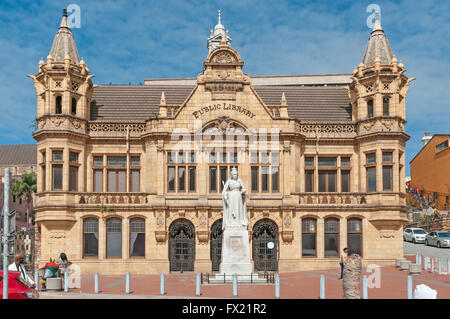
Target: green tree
<point>24,187</point>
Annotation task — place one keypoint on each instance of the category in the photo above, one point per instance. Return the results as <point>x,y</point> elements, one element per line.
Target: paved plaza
<point>299,285</point>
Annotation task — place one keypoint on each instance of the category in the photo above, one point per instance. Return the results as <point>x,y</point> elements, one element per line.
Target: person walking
<point>18,265</point>
<point>344,256</point>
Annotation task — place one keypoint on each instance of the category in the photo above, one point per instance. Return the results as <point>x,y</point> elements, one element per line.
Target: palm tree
<point>24,187</point>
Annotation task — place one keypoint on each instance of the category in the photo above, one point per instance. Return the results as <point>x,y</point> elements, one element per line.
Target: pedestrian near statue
<point>64,264</point>
<point>344,255</point>
<point>18,265</point>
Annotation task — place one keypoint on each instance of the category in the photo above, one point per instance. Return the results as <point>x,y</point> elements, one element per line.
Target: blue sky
<point>129,41</point>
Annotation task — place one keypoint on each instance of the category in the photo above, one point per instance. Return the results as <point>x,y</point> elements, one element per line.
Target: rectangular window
<point>264,178</point>
<point>181,157</point>
<point>98,160</point>
<point>387,157</point>
<point>327,161</point>
<point>171,178</point>
<point>327,181</point>
<point>43,178</point>
<point>345,161</point>
<point>309,181</point>
<point>135,161</point>
<point>232,157</point>
<point>212,158</point>
<point>192,179</point>
<point>117,161</point>
<point>114,244</point>
<point>345,181</point>
<point>171,157</point>
<point>223,177</point>
<point>264,158</point>
<point>213,179</point>
<point>254,158</point>
<point>275,158</point>
<point>309,161</point>
<point>371,158</point>
<point>98,180</point>
<point>73,157</point>
<point>73,178</point>
<point>255,179</point>
<point>275,179</point>
<point>57,156</point>
<point>135,180</point>
<point>192,157</point>
<point>181,178</point>
<point>371,179</point>
<point>387,178</point>
<point>116,181</point>
<point>57,177</point>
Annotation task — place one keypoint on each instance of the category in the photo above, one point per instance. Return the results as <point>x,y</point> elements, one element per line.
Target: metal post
<point>5,234</point>
<point>420,259</point>
<point>432,265</point>
<point>197,287</point>
<point>365,290</point>
<point>322,287</point>
<point>425,262</point>
<point>162,285</point>
<point>409,287</point>
<point>235,286</point>
<point>439,267</point>
<point>96,282</point>
<point>66,281</point>
<point>417,258</point>
<point>448,266</point>
<point>277,286</point>
<point>127,283</point>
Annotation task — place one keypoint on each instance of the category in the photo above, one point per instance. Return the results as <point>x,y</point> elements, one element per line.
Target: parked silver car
<point>414,235</point>
<point>438,239</point>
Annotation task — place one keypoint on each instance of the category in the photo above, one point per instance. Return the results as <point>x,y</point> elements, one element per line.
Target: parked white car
<point>414,235</point>
<point>438,239</point>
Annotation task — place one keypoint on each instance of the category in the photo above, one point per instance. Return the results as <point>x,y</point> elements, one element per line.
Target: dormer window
<point>369,108</point>
<point>58,106</point>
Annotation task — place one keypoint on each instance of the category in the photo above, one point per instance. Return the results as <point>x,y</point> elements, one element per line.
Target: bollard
<point>197,287</point>
<point>322,287</point>
<point>365,292</point>
<point>127,283</point>
<point>66,281</point>
<point>277,286</point>
<point>409,287</point>
<point>36,280</point>
<point>235,286</point>
<point>448,266</point>
<point>417,258</point>
<point>432,265</point>
<point>439,267</point>
<point>420,259</point>
<point>162,285</point>
<point>425,262</point>
<point>96,282</point>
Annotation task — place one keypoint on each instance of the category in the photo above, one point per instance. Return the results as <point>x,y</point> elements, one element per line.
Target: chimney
<point>426,138</point>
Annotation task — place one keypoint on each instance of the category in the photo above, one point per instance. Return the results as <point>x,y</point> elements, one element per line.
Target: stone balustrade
<point>326,199</point>
<point>112,198</point>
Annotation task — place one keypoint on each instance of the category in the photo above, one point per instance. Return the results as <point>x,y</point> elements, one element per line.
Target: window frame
<point>84,239</point>
<point>304,220</point>
<point>130,221</point>
<point>325,232</point>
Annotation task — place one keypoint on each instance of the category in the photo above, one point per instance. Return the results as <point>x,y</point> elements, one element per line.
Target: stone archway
<point>181,245</point>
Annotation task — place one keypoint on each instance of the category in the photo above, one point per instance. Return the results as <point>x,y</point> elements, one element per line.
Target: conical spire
<point>377,46</point>
<point>64,44</point>
<point>218,34</point>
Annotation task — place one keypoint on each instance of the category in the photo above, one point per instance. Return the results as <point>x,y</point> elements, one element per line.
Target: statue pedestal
<point>235,252</point>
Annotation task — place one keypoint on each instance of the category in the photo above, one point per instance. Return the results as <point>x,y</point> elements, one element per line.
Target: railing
<point>112,198</point>
<point>332,199</point>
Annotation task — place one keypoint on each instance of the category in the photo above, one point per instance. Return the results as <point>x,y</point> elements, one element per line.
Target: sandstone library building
<point>322,158</point>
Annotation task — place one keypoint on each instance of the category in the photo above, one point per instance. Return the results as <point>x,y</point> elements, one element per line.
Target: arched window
<point>385,106</point>
<point>114,237</point>
<point>58,105</point>
<point>137,237</point>
<point>354,236</point>
<point>331,237</point>
<point>74,106</point>
<point>90,237</point>
<point>370,108</point>
<point>309,237</point>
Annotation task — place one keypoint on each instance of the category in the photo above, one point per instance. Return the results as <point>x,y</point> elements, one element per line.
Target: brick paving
<point>299,285</point>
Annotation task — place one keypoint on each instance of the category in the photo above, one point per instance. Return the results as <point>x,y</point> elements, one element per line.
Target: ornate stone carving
<point>387,234</point>
<point>41,123</point>
<point>57,120</point>
<point>57,235</point>
<point>287,236</point>
<point>76,123</point>
<point>223,57</point>
<point>116,128</point>
<point>203,237</point>
<point>161,237</point>
<point>327,128</point>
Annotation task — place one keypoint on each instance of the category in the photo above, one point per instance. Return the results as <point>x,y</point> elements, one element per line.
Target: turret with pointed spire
<point>64,44</point>
<point>217,35</point>
<point>379,85</point>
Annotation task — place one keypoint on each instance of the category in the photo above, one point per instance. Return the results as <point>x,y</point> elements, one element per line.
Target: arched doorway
<point>216,245</point>
<point>181,245</point>
<point>265,245</point>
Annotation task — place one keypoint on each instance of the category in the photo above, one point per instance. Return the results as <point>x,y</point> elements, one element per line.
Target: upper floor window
<point>265,171</point>
<point>370,108</point>
<point>58,105</point>
<point>181,172</point>
<point>74,106</point>
<point>73,171</point>
<point>442,146</point>
<point>371,172</point>
<point>386,106</point>
<point>327,174</point>
<point>387,171</point>
<point>220,165</point>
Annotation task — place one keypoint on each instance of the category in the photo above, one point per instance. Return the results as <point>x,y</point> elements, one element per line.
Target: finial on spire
<point>224,39</point>
<point>377,24</point>
<point>220,14</point>
<point>65,12</point>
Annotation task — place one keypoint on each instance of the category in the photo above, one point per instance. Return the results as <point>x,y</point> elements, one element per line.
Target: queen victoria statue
<point>235,240</point>
<point>234,203</point>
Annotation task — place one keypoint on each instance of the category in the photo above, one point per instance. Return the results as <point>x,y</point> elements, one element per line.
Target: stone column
<point>89,175</point>
<point>316,173</point>
<point>82,172</point>
<point>320,230</point>
<point>379,171</point>
<point>125,238</point>
<point>105,174</point>
<point>302,173</point>
<point>101,238</point>
<point>395,171</point>
<point>338,177</point>
<point>66,169</point>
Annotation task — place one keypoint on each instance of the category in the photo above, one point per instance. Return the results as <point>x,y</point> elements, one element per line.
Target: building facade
<point>430,171</point>
<point>130,177</point>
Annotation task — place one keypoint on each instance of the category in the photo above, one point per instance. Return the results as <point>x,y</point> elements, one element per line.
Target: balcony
<point>111,198</point>
<point>332,199</point>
